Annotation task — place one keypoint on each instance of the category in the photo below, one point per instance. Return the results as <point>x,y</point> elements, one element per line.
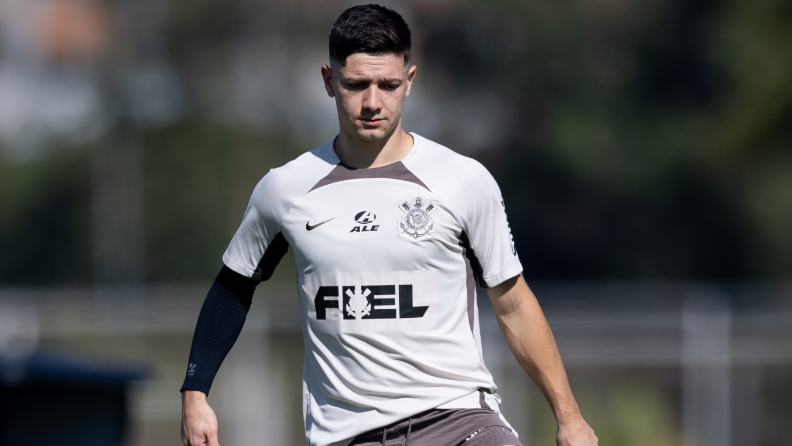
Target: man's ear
<point>327,77</point>
<point>410,76</point>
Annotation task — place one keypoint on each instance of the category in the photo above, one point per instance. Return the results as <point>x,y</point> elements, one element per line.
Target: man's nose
<point>371,100</point>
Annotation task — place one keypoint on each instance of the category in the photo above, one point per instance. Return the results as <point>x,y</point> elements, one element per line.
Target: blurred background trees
<point>641,143</point>
<point>631,140</point>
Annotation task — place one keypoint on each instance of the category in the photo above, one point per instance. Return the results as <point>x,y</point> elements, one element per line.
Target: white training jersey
<point>386,259</point>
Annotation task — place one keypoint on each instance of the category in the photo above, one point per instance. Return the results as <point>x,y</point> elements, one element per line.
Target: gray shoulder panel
<point>395,171</point>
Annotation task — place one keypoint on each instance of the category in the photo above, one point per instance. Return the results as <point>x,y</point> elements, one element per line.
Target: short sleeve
<point>258,244</point>
<point>487,230</point>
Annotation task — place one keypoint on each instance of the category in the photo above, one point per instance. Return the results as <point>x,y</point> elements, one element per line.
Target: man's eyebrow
<point>390,80</point>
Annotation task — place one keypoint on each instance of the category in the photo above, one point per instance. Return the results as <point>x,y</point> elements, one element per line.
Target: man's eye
<point>390,87</point>
<point>356,86</point>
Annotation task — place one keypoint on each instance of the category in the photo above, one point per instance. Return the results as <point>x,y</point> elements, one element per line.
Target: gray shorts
<point>443,427</point>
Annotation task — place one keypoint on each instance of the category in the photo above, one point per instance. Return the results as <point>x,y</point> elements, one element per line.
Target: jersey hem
<point>469,401</point>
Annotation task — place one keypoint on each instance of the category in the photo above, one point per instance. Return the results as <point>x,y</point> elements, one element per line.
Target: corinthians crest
<point>416,223</point>
<point>358,305</point>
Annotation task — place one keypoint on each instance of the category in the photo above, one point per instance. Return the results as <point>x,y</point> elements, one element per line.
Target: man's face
<point>369,92</point>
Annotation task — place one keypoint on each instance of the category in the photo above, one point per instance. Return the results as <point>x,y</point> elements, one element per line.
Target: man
<point>388,231</point>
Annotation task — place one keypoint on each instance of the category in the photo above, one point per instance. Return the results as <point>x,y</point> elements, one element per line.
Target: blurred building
<point>49,86</point>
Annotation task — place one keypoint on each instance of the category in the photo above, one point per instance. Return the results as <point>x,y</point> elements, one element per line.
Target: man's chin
<point>371,135</point>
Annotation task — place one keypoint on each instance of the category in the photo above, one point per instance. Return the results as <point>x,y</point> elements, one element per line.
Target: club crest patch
<point>416,223</point>
<point>358,305</point>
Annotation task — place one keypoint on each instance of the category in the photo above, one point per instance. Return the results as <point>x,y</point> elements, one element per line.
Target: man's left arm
<point>531,341</point>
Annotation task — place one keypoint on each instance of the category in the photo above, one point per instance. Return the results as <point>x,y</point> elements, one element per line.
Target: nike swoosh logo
<point>310,227</point>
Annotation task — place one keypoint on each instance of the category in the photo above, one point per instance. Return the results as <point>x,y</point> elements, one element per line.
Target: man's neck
<point>369,154</point>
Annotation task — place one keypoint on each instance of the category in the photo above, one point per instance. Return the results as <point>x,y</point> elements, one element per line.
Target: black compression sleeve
<point>221,319</point>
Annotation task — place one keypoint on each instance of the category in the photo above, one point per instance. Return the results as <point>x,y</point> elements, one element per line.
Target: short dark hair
<point>371,29</point>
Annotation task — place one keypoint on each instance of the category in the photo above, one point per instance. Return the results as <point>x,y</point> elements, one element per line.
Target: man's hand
<point>199,422</point>
<point>576,432</point>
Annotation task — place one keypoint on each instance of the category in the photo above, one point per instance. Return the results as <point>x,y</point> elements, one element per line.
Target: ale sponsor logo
<point>365,220</point>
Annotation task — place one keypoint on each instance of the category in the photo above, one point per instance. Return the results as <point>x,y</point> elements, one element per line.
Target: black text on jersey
<point>366,302</point>
<point>365,218</point>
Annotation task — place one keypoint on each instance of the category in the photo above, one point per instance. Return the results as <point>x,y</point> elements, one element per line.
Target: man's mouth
<point>372,121</point>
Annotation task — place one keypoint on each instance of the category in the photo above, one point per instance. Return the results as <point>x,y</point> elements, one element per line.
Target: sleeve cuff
<point>502,276</point>
<point>196,384</point>
<point>237,267</point>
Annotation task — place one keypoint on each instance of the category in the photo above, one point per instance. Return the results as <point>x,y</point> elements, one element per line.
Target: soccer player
<point>390,232</point>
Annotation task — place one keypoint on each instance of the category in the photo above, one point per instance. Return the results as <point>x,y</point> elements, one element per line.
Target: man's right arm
<point>221,320</point>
